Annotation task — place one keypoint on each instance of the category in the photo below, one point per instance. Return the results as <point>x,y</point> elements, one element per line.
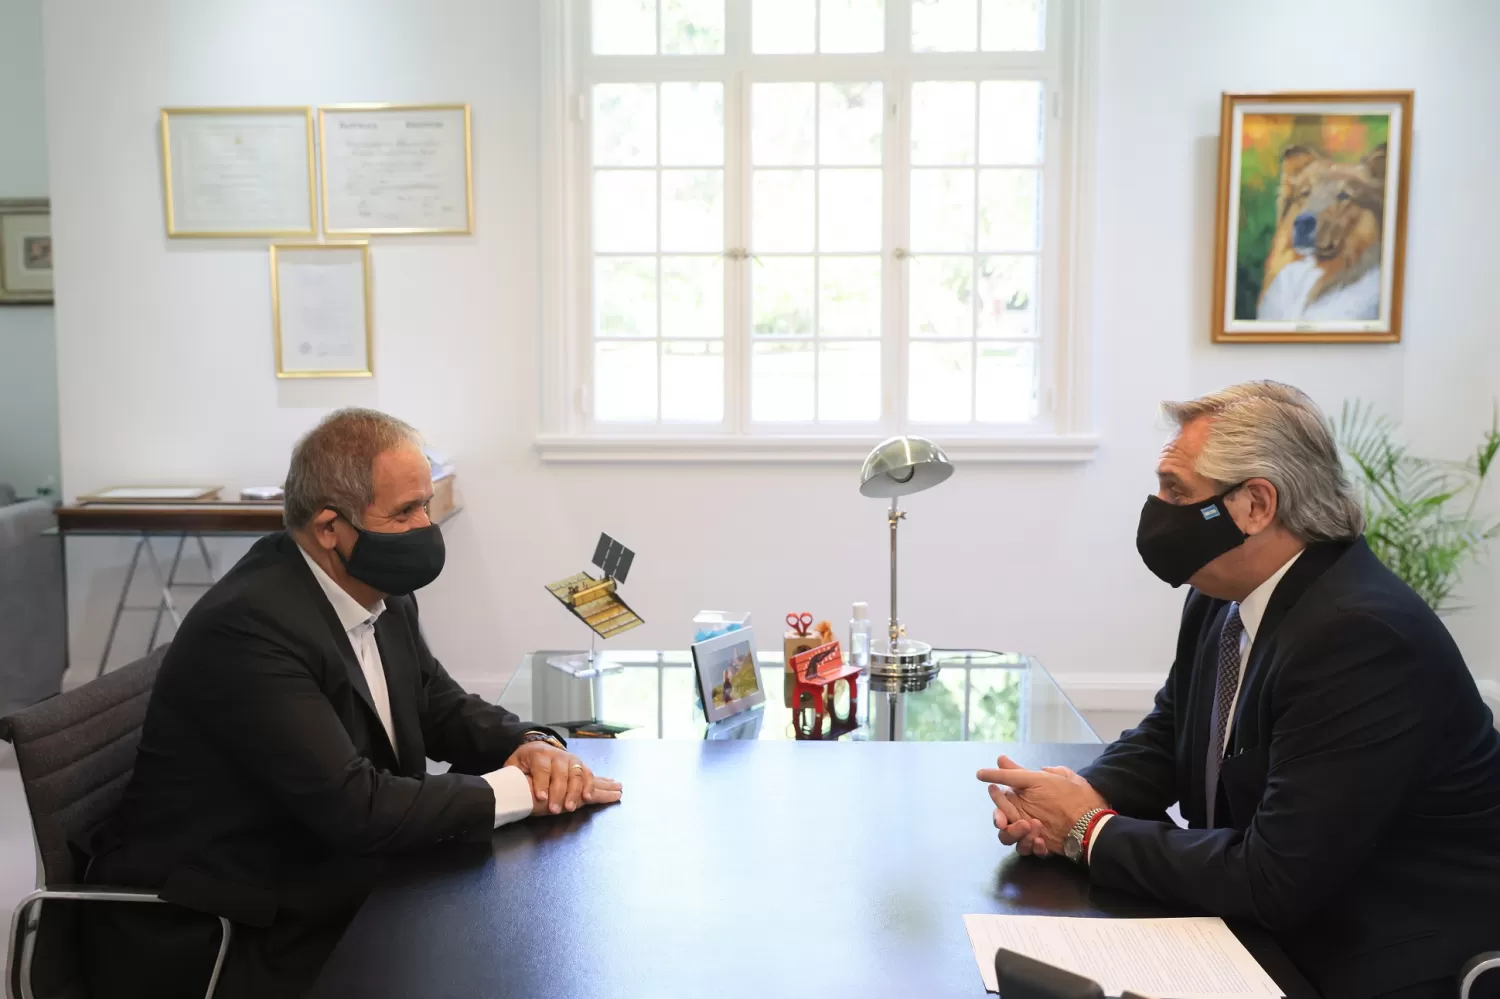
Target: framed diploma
<point>396,169</point>
<point>25,252</point>
<point>320,306</point>
<point>238,172</point>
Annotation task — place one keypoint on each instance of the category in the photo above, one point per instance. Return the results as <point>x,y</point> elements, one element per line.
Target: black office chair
<point>76,752</point>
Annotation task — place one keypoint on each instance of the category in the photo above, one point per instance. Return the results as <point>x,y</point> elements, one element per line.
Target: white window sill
<point>1048,449</point>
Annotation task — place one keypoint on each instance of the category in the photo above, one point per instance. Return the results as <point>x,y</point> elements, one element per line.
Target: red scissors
<point>800,623</point>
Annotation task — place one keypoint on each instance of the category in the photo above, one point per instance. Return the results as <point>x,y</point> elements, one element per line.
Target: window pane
<point>849,210</point>
<point>692,27</point>
<point>692,381</point>
<point>624,211</point>
<point>692,210</point>
<point>942,210</point>
<point>1007,386</point>
<point>781,123</point>
<point>849,386</point>
<point>692,297</point>
<point>940,302</point>
<point>1014,25</point>
<point>941,389</point>
<point>782,25</point>
<point>781,383</point>
<point>781,210</point>
<point>1009,209</point>
<point>1010,122</point>
<point>849,296</point>
<point>849,123</point>
<point>942,122</point>
<point>624,27</point>
<point>692,118</point>
<point>781,296</point>
<point>624,381</point>
<point>625,296</point>
<point>852,25</point>
<point>1007,296</point>
<point>625,124</point>
<point>944,25</point>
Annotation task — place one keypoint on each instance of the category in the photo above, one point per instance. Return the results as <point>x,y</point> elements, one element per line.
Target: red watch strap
<point>1088,833</point>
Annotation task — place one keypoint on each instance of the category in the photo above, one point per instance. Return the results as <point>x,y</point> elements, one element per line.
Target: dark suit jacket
<point>1361,793</point>
<point>265,788</point>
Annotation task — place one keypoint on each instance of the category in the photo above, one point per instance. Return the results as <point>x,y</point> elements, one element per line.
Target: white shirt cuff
<point>512,794</point>
<point>1094,837</point>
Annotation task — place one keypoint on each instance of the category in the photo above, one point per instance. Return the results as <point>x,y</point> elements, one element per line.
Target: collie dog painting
<point>1311,216</point>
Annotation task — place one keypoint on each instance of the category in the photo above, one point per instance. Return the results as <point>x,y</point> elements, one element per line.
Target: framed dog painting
<point>1312,216</point>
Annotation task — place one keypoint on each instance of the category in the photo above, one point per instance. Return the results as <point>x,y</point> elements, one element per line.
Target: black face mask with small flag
<point>1176,541</point>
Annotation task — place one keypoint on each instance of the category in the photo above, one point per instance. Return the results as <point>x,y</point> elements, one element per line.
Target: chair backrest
<point>75,752</point>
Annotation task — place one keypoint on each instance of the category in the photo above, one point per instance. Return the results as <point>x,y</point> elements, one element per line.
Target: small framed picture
<point>728,674</point>
<point>1311,235</point>
<point>26,252</point>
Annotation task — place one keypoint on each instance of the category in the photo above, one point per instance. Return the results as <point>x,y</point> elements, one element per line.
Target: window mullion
<point>898,265</point>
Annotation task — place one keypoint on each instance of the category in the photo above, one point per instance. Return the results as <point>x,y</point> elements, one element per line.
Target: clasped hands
<point>1035,809</point>
<point>559,780</point>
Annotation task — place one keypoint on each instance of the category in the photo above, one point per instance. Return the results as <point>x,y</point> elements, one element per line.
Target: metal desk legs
<point>164,605</point>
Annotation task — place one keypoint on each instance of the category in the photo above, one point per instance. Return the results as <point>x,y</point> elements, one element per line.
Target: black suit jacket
<point>265,787</point>
<point>1361,793</point>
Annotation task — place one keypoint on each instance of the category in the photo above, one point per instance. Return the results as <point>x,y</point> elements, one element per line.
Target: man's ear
<point>1263,505</point>
<point>322,530</point>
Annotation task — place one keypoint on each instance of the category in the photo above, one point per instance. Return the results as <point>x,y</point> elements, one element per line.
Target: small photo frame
<point>728,674</point>
<point>25,251</point>
<point>320,307</point>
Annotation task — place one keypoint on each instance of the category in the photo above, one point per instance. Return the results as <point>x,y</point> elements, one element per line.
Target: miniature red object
<point>814,674</point>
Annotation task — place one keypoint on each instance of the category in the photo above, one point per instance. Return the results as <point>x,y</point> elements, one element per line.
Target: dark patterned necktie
<point>1225,687</point>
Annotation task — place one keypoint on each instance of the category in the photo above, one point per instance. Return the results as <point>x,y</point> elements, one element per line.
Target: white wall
<point>28,363</point>
<point>165,348</point>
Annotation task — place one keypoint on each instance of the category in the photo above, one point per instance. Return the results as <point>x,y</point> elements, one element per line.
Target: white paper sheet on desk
<point>1194,958</point>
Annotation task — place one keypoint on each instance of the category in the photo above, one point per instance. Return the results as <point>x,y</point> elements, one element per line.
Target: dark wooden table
<point>734,869</point>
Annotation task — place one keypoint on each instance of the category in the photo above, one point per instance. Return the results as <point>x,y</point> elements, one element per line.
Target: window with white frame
<point>820,218</point>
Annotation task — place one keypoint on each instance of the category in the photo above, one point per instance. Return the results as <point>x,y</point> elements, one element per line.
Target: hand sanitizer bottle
<point>859,636</point>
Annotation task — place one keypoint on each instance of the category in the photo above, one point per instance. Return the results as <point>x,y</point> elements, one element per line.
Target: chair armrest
<point>95,893</point>
<point>1489,961</point>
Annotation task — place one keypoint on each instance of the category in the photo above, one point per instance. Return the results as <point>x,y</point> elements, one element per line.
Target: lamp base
<point>903,667</point>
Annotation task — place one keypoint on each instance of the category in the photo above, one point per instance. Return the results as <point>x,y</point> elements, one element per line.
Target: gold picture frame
<point>286,367</point>
<point>176,227</point>
<point>1310,243</point>
<point>25,251</point>
<point>333,226</point>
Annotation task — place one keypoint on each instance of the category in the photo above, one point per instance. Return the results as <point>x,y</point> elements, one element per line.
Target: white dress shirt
<point>512,788</point>
<point>1252,612</point>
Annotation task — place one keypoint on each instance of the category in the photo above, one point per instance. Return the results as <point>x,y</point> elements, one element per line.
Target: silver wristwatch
<point>1073,842</point>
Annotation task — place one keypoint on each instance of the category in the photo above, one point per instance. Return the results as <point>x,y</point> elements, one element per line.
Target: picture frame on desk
<point>25,251</point>
<point>238,172</point>
<point>321,310</point>
<point>728,674</point>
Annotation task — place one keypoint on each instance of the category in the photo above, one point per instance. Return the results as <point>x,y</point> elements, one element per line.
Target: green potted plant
<point>1421,514</point>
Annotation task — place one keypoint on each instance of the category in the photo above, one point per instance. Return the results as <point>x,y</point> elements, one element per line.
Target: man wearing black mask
<point>1337,768</point>
<point>284,748</point>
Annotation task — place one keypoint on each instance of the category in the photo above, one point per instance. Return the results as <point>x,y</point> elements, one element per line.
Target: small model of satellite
<point>596,602</point>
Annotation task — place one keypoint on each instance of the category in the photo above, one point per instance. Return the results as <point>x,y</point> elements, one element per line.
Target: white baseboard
<point>1110,691</point>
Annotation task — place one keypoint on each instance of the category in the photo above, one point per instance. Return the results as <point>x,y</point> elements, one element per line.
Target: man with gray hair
<point>1337,769</point>
<point>284,749</point>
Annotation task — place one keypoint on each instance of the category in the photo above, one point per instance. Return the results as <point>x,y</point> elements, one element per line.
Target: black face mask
<point>396,564</point>
<point>1176,541</point>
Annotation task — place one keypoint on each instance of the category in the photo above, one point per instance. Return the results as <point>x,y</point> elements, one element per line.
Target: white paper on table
<point>1192,958</point>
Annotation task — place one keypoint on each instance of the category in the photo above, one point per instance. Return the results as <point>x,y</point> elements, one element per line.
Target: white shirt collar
<point>1253,607</point>
<point>351,613</point>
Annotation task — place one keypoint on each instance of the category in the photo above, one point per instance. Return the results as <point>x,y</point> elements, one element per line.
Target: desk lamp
<point>899,467</point>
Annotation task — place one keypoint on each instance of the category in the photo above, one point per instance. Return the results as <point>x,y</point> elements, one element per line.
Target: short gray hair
<point>333,465</point>
<point>1267,430</point>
